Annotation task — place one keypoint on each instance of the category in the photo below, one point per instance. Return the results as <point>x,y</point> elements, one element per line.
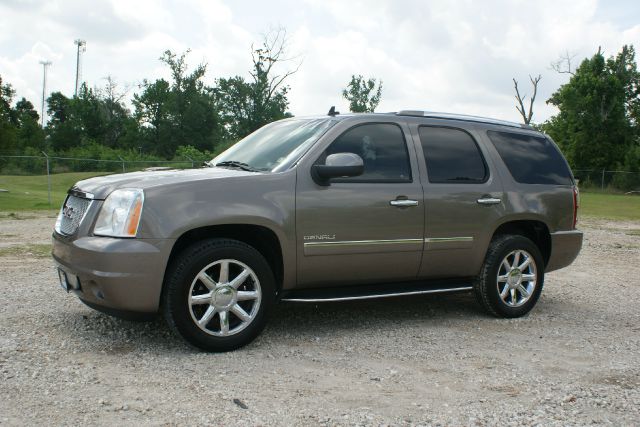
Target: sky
<point>457,56</point>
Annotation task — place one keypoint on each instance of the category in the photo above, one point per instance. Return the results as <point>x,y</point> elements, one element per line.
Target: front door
<point>364,229</point>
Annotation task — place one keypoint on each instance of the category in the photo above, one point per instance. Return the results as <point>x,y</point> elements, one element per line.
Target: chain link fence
<point>48,177</point>
<point>613,181</point>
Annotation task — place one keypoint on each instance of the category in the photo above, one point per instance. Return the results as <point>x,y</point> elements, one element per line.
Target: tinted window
<point>383,151</point>
<point>451,156</point>
<point>531,159</point>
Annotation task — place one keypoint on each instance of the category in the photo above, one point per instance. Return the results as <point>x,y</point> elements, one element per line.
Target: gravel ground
<point>433,360</point>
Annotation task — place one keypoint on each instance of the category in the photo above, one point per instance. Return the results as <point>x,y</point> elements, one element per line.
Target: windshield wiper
<point>239,165</point>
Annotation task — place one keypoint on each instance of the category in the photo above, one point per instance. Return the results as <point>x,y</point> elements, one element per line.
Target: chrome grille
<point>71,214</point>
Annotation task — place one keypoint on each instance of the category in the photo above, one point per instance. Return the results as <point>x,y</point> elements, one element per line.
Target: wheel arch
<point>262,238</point>
<point>533,229</point>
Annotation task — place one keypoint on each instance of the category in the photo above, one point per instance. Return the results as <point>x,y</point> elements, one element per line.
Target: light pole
<point>82,47</point>
<point>45,64</point>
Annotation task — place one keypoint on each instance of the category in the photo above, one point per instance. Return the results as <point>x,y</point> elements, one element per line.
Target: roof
<point>437,115</point>
<point>461,117</point>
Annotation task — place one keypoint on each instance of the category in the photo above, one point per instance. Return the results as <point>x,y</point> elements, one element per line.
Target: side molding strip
<point>363,242</point>
<point>374,296</point>
<point>447,239</point>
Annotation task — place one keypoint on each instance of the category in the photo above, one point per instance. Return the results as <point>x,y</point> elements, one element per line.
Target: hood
<point>102,186</point>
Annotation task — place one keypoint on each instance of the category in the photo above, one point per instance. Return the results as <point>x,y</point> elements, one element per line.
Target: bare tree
<point>273,51</point>
<point>527,115</point>
<point>563,64</point>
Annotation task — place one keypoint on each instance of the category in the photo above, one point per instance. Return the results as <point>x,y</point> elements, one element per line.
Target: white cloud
<point>457,56</point>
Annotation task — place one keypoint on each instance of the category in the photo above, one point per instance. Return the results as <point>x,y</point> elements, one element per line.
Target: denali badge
<point>321,237</point>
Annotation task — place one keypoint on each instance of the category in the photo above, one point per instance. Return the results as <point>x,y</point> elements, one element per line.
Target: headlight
<point>120,213</point>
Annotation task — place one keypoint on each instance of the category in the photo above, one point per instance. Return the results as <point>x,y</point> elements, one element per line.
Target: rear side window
<point>383,151</point>
<point>451,155</point>
<point>531,159</point>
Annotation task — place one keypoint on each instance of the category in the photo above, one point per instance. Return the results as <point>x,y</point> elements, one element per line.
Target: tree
<point>563,64</point>
<point>363,95</point>
<point>63,127</point>
<point>598,120</point>
<point>248,105</point>
<point>180,112</point>
<point>29,132</point>
<point>527,115</point>
<point>7,128</point>
<point>117,118</point>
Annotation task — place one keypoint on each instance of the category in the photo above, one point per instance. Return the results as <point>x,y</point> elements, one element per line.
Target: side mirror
<point>339,165</point>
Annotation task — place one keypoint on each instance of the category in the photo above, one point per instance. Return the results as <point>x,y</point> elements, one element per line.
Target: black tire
<point>178,310</point>
<point>486,286</point>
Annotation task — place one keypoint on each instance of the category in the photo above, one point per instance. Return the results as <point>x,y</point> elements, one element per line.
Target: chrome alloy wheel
<point>227,305</point>
<point>517,278</point>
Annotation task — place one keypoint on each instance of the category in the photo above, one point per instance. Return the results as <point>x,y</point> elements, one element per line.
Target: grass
<point>29,193</point>
<point>33,250</point>
<point>610,206</point>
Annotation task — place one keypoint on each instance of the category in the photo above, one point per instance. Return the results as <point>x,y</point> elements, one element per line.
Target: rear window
<point>531,159</point>
<point>451,155</point>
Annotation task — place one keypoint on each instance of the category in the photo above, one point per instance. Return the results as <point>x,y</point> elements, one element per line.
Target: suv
<point>330,208</point>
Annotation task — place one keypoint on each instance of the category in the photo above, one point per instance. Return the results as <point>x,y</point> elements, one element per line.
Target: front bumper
<point>118,274</point>
<point>565,247</point>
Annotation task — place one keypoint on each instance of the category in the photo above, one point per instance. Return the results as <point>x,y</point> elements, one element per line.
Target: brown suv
<point>331,208</point>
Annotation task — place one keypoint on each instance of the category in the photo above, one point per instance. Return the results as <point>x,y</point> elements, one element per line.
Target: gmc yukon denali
<point>328,208</point>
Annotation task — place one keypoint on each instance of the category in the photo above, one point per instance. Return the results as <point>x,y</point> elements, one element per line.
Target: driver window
<point>383,151</point>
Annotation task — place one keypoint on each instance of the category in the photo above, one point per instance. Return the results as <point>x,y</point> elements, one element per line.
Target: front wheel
<point>217,294</point>
<point>512,277</point>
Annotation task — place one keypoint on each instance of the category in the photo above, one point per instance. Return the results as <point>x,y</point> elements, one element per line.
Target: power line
<point>45,64</point>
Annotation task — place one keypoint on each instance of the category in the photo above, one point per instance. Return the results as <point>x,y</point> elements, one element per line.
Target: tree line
<point>597,126</point>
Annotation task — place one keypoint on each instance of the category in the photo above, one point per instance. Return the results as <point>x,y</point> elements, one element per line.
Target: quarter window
<point>451,155</point>
<point>383,150</point>
<point>531,159</point>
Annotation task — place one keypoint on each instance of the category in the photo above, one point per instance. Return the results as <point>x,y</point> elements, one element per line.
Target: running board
<point>353,293</point>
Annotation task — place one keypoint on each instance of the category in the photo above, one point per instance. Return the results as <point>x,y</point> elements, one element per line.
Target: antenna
<point>82,47</point>
<point>45,64</point>
<point>332,112</point>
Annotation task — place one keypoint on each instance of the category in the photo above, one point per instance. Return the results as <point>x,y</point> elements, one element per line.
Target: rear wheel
<point>217,294</point>
<point>512,276</point>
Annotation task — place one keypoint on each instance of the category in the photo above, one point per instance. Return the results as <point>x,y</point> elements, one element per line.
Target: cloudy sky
<point>453,56</point>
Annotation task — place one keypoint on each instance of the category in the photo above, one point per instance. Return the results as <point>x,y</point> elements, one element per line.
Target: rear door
<point>364,229</point>
<point>463,198</point>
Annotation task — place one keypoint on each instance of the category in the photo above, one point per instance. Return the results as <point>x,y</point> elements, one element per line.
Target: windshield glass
<point>275,144</point>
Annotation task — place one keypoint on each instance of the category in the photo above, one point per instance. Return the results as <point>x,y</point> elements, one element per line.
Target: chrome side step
<point>372,292</point>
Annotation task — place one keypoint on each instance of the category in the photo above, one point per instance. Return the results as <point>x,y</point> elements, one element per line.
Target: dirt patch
<point>433,360</point>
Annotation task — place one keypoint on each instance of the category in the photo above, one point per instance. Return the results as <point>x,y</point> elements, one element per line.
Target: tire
<point>501,290</point>
<point>198,293</point>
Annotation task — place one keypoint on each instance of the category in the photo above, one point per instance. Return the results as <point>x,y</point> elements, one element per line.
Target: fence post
<point>48,178</point>
<point>192,163</point>
<point>122,160</point>
<point>602,182</point>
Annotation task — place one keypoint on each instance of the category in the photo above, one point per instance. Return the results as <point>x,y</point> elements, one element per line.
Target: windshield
<point>276,144</point>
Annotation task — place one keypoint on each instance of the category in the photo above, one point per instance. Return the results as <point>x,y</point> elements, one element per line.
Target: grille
<point>72,214</point>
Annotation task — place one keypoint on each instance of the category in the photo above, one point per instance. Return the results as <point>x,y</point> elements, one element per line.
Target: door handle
<point>403,203</point>
<point>489,200</point>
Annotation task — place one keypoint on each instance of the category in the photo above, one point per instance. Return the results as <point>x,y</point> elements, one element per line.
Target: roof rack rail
<point>462,117</point>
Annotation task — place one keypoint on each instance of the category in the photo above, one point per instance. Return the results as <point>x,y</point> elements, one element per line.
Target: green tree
<point>29,132</point>
<point>63,127</point>
<point>7,128</point>
<point>598,120</point>
<point>180,112</point>
<point>248,105</point>
<point>363,95</point>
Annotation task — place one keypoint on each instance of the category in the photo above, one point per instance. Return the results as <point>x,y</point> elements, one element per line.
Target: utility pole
<point>45,64</point>
<point>82,47</point>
